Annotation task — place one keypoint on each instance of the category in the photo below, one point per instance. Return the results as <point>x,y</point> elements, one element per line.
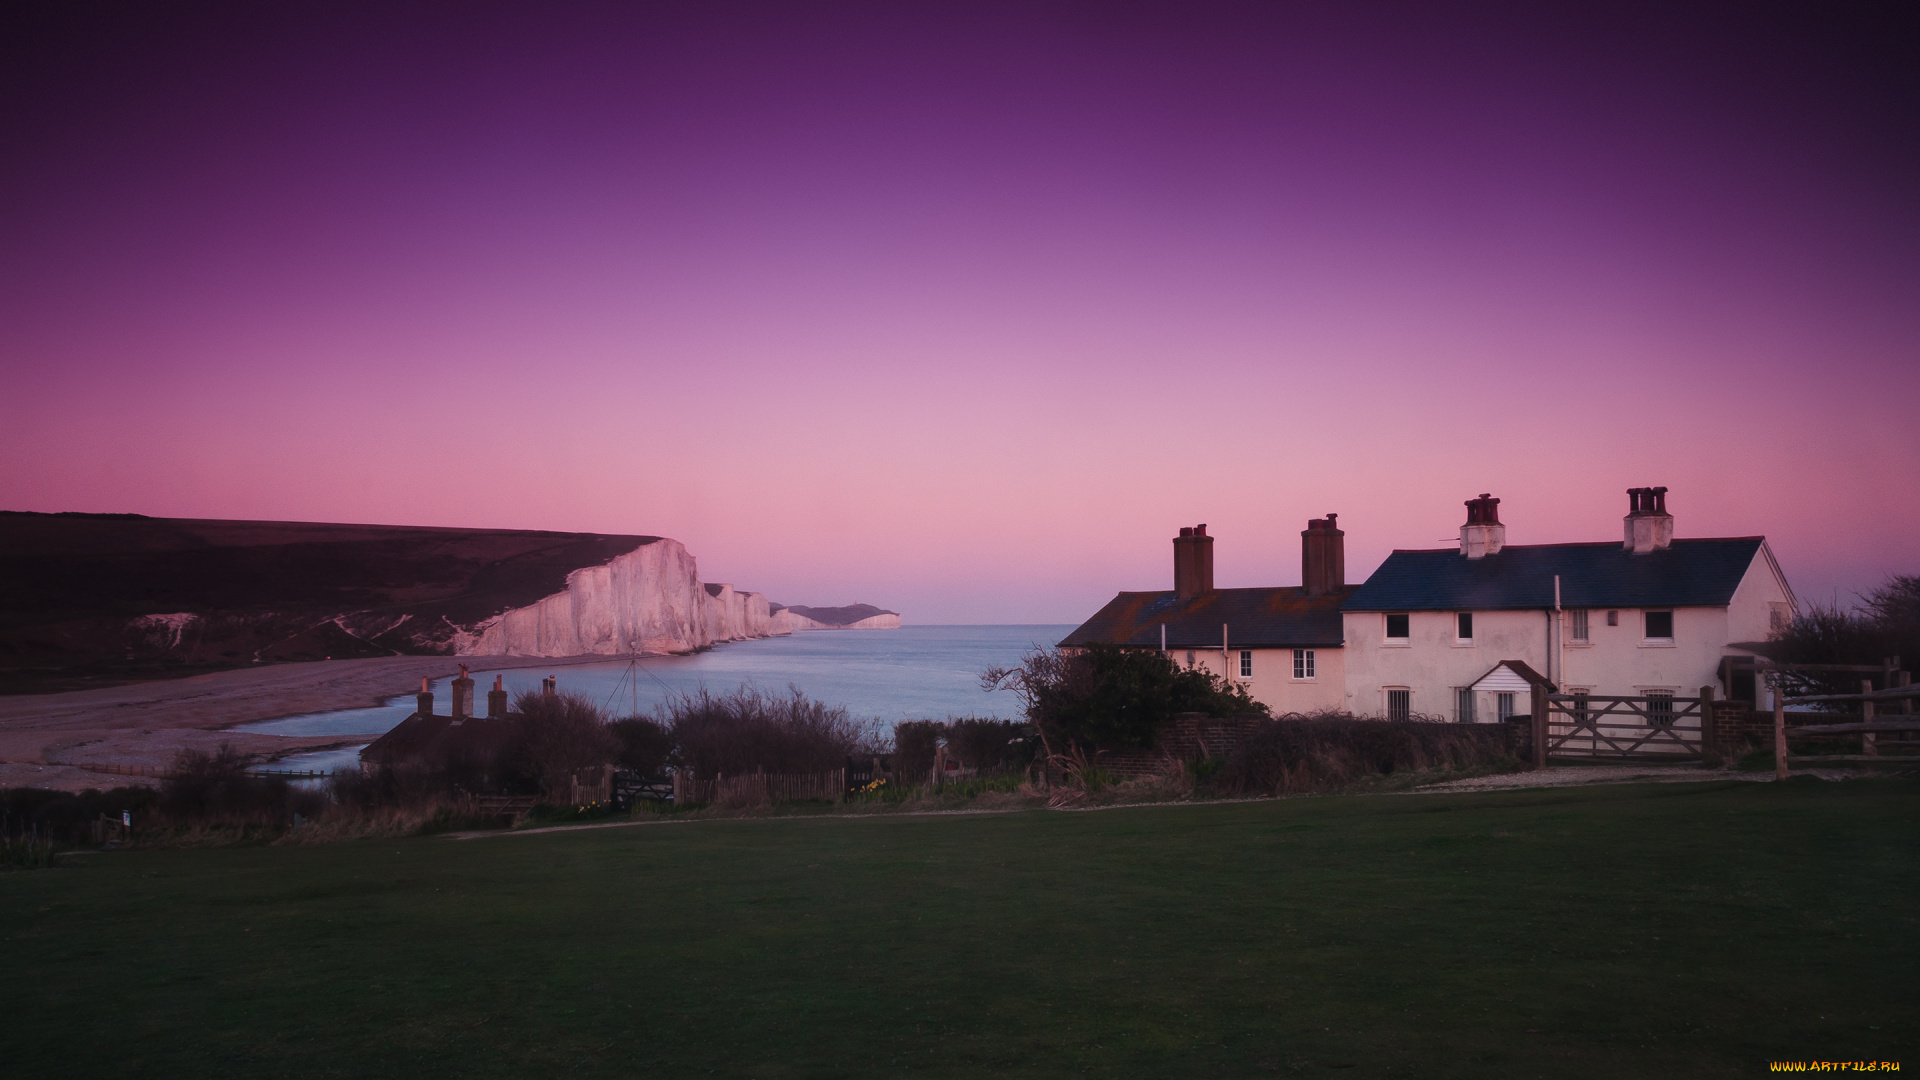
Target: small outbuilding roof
<point>1255,618</point>
<point>1511,674</point>
<point>1690,573</point>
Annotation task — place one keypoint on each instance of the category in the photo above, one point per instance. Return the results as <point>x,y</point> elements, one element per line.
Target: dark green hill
<point>87,599</point>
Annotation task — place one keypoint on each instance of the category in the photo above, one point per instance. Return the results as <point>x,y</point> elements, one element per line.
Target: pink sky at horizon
<point>964,311</point>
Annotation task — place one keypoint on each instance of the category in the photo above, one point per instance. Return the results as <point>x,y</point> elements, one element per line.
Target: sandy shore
<point>43,735</point>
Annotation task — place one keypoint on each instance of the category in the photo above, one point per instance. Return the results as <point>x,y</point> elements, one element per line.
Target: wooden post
<point>1539,727</point>
<point>1904,679</point>
<point>1708,746</point>
<point>1868,744</point>
<point>1779,730</point>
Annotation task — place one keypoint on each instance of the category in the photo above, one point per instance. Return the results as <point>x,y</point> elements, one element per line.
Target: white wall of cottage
<point>1432,663</point>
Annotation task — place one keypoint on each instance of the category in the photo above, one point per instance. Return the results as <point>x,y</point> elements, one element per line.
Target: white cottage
<point>1447,632</point>
<point>1282,643</point>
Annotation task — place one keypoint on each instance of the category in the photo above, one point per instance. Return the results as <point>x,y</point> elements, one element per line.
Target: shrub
<point>915,744</point>
<point>988,745</point>
<point>553,736</point>
<point>204,788</point>
<point>1300,753</point>
<point>748,731</point>
<point>645,745</point>
<point>1108,697</point>
<point>66,817</point>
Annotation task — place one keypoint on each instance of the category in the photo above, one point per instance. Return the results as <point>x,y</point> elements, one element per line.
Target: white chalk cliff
<point>649,600</point>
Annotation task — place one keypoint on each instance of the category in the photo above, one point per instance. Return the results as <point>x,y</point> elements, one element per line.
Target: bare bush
<point>749,731</point>
<point>1297,753</point>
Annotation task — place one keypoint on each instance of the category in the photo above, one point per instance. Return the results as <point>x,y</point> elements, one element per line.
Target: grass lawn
<point>1658,930</point>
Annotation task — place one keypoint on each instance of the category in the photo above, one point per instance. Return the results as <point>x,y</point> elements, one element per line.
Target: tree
<point>1885,623</point>
<point>1102,697</point>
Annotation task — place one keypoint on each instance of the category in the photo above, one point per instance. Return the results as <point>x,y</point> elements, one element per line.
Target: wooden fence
<point>759,789</point>
<point>1873,751</point>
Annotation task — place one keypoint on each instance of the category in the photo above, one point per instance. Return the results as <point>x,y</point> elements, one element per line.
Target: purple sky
<point>964,309</point>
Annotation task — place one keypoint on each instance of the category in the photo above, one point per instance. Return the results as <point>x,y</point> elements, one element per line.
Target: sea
<point>880,677</point>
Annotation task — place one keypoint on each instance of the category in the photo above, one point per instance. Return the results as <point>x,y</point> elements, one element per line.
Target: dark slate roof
<point>1255,618</point>
<point>417,736</point>
<point>1691,573</point>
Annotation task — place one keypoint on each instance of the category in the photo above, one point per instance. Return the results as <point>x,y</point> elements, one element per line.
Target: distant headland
<point>97,599</point>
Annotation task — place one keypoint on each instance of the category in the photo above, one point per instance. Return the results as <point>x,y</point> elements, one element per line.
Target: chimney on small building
<point>462,695</point>
<point>1323,557</point>
<point>497,700</point>
<point>1192,562</point>
<point>1483,534</point>
<point>549,687</point>
<point>1649,526</point>
<point>423,701</point>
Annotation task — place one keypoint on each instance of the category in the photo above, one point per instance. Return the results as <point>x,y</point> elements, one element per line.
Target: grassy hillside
<point>73,588</point>
<point>1676,930</point>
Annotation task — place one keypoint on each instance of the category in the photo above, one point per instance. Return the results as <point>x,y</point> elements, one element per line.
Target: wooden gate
<point>1658,727</point>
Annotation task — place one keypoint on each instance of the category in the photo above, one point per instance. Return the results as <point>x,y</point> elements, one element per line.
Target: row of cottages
<point>1464,633</point>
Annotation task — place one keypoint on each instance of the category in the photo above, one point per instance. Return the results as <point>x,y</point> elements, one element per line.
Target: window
<point>1464,626</point>
<point>1400,705</point>
<point>1580,713</point>
<point>1246,663</point>
<point>1660,708</point>
<point>1580,632</point>
<point>1777,616</point>
<point>1463,708</point>
<point>1660,625</point>
<point>1303,663</point>
<point>1397,626</point>
<point>1613,618</point>
<point>1503,705</point>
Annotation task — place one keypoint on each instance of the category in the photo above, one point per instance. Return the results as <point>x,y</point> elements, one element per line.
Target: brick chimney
<point>423,701</point>
<point>1649,526</point>
<point>462,695</point>
<point>1192,562</point>
<point>1323,557</point>
<point>1483,534</point>
<point>497,700</point>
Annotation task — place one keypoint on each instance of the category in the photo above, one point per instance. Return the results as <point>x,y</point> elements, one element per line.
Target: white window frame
<point>1246,664</point>
<point>1303,665</point>
<point>1464,710</point>
<point>1669,692</point>
<point>1386,701</point>
<point>1673,619</point>
<point>1579,628</point>
<point>1582,707</point>
<point>1396,642</point>
<point>1503,705</point>
<point>1458,641</point>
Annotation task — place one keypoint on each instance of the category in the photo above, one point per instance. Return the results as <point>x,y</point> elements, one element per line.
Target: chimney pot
<point>1648,525</point>
<point>1483,534</point>
<point>463,695</point>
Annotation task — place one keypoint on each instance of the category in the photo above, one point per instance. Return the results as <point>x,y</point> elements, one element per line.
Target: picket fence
<point>758,789</point>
